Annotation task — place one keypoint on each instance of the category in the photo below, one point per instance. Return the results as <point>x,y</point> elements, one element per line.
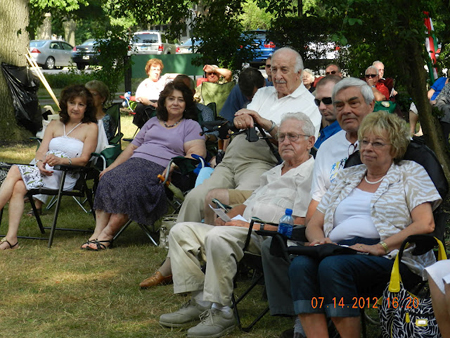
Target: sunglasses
<point>325,100</point>
<point>331,73</point>
<point>368,76</point>
<point>208,74</point>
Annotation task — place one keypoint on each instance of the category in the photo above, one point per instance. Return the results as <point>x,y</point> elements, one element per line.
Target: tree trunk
<point>13,47</point>
<point>430,125</point>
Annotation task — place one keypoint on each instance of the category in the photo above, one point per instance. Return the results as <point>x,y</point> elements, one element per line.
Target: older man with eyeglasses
<point>380,91</point>
<point>352,100</point>
<point>221,246</point>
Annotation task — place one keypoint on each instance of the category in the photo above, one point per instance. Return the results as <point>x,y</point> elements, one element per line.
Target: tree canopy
<point>366,30</point>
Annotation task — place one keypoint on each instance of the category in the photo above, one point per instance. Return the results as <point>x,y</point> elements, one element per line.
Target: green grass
<point>68,292</point>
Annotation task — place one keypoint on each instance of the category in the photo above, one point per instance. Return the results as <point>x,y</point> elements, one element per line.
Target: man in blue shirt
<point>330,126</point>
<point>250,80</point>
<point>436,88</point>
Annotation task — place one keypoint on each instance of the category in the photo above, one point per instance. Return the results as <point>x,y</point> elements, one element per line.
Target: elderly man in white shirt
<point>244,161</point>
<point>221,246</point>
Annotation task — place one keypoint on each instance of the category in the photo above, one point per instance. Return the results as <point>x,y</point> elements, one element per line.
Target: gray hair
<point>307,126</point>
<point>372,67</point>
<point>366,91</point>
<point>375,62</point>
<point>298,58</point>
<point>308,71</point>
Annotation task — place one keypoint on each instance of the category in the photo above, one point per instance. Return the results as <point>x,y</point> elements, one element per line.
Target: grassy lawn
<point>68,292</point>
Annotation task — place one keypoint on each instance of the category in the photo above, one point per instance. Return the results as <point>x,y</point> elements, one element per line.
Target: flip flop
<point>11,247</point>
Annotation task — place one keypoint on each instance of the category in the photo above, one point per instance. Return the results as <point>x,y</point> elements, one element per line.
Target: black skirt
<point>133,188</point>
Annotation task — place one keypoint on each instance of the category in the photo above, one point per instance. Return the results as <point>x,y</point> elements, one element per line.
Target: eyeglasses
<point>375,145</point>
<point>208,74</point>
<point>325,100</point>
<point>292,137</point>
<point>370,75</point>
<point>331,73</point>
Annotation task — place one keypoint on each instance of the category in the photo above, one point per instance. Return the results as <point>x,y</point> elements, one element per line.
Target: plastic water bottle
<point>286,224</point>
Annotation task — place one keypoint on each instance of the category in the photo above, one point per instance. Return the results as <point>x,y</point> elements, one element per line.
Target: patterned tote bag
<point>402,314</point>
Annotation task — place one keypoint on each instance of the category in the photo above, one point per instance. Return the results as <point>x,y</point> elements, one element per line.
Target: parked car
<point>186,48</point>
<point>263,47</point>
<point>151,42</point>
<point>51,54</point>
<point>86,54</point>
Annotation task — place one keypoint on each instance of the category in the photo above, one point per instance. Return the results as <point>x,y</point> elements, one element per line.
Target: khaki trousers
<point>191,244</point>
<point>241,168</point>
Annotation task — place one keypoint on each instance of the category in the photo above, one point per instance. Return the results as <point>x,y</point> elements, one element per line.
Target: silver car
<point>151,42</point>
<point>51,54</point>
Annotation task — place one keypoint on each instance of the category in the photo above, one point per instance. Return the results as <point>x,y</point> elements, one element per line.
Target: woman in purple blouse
<point>129,188</point>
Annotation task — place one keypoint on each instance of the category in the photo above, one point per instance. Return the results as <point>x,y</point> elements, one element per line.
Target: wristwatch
<point>272,127</point>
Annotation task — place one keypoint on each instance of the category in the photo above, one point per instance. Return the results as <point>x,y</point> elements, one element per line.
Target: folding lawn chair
<point>81,190</point>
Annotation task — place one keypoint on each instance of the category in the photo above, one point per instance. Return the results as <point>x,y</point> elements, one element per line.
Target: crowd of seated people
<point>351,206</point>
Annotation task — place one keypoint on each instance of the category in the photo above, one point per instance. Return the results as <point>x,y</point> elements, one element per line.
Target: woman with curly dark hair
<point>71,140</point>
<point>129,188</point>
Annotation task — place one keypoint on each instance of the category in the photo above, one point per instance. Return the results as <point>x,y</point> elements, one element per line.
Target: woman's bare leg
<point>16,205</point>
<point>101,221</point>
<point>6,190</point>
<point>115,222</point>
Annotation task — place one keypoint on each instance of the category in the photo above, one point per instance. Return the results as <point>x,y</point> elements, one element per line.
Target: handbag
<point>402,314</point>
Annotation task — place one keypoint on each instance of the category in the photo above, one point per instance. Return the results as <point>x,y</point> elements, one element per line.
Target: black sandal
<point>100,246</point>
<point>89,241</point>
<point>4,240</point>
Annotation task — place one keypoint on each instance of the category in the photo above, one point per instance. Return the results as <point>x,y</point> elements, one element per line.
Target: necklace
<point>172,125</point>
<point>376,182</point>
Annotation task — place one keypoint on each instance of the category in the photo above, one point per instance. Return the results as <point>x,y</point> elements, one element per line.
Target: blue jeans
<point>341,285</point>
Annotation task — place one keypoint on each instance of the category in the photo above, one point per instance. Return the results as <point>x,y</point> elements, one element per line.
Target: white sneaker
<point>214,323</point>
<point>188,313</point>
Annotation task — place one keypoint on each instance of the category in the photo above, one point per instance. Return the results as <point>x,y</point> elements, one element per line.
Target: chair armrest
<point>74,168</point>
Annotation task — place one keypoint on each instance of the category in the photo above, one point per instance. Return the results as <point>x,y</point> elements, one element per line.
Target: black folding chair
<point>254,262</point>
<point>81,190</point>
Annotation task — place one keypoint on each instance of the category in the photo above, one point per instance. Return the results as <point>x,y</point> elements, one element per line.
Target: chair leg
<point>235,302</point>
<point>88,194</point>
<point>58,203</point>
<point>148,233</point>
<point>36,215</point>
<point>51,203</point>
<point>142,226</point>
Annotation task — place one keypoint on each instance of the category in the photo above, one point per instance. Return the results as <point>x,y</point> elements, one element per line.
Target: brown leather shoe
<point>156,279</point>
